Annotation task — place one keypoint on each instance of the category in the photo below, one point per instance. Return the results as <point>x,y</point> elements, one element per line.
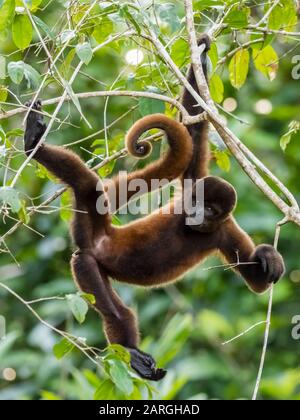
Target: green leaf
<point>84,52</point>
<point>67,35</point>
<point>42,25</point>
<point>179,52</point>
<point>32,76</point>
<point>205,4</point>
<point>238,68</point>
<point>266,61</point>
<point>66,65</point>
<point>104,27</point>
<point>168,13</point>
<point>7,11</point>
<point>294,127</point>
<point>3,93</point>
<point>238,17</point>
<point>22,31</point>
<point>66,206</point>
<point>121,378</point>
<point>16,71</point>
<point>222,160</point>
<point>213,55</point>
<point>107,169</point>
<point>149,106</point>
<point>283,16</point>
<point>106,391</point>
<point>63,348</point>
<point>49,396</point>
<point>17,132</point>
<point>10,196</point>
<point>23,215</point>
<point>89,298</point>
<point>126,13</point>
<point>216,88</point>
<point>121,352</point>
<point>2,67</point>
<point>78,306</point>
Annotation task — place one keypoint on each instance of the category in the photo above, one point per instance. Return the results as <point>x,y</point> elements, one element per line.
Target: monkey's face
<point>219,202</point>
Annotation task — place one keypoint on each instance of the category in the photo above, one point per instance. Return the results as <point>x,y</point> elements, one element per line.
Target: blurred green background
<point>185,324</point>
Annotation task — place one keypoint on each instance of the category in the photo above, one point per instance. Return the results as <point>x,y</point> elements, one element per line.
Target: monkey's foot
<point>145,365</point>
<point>35,127</point>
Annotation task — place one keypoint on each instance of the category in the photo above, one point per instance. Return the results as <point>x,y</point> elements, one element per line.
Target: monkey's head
<point>219,202</point>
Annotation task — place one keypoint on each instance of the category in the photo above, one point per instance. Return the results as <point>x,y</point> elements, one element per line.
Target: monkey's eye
<point>210,211</point>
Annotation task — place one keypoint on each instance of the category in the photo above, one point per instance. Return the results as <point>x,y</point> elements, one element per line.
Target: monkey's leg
<point>119,321</point>
<point>63,163</point>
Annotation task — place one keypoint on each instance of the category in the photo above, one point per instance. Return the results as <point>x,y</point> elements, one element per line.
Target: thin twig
<point>268,320</point>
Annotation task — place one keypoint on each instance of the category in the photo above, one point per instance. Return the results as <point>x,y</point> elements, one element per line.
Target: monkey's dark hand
<point>145,365</point>
<point>35,127</point>
<point>271,262</point>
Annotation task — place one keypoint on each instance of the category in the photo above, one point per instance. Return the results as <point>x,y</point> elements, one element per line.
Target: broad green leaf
<point>222,160</point>
<point>16,71</point>
<point>104,27</point>
<point>175,334</point>
<point>238,68</point>
<point>50,396</point>
<point>66,65</point>
<point>74,98</point>
<point>121,352</point>
<point>121,378</point>
<point>10,196</point>
<point>7,11</point>
<point>31,4</point>
<point>63,348</point>
<point>89,298</point>
<point>238,17</point>
<point>127,14</point>
<point>294,127</point>
<point>3,93</point>
<point>266,61</point>
<point>205,4</point>
<point>2,67</point>
<point>66,206</point>
<point>168,14</point>
<point>78,306</point>
<point>43,173</point>
<point>213,55</point>
<point>32,76</point>
<point>17,132</point>
<point>106,391</point>
<point>84,52</point>
<point>42,25</point>
<point>2,134</point>
<point>67,35</point>
<point>107,169</point>
<point>180,52</point>
<point>23,215</point>
<point>283,16</point>
<point>22,31</point>
<point>149,106</point>
<point>216,88</point>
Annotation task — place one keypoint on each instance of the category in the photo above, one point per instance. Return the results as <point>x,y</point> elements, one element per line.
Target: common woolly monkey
<point>159,248</point>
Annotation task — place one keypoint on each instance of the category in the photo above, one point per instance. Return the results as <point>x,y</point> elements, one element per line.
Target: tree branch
<point>187,119</point>
<point>237,148</point>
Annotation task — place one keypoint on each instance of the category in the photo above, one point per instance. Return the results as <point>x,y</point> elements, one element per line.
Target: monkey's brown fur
<point>158,248</point>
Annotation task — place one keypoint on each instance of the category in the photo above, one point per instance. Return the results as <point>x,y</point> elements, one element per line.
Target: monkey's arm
<point>260,266</point>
